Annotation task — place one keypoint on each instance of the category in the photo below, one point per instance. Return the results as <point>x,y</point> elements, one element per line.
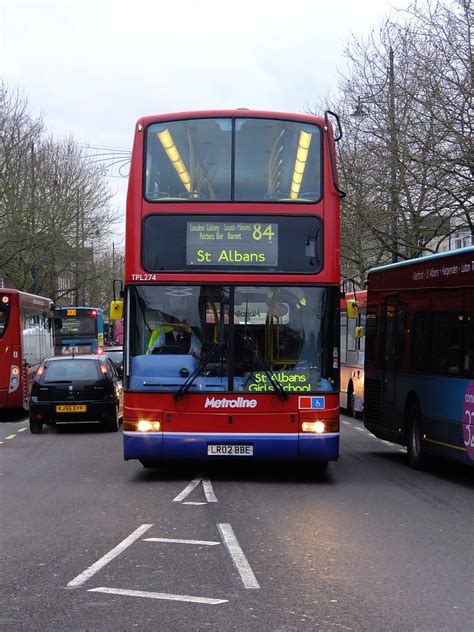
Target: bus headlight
<point>316,427</point>
<point>144,425</point>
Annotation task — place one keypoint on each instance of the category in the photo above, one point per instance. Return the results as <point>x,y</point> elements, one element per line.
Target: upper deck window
<point>233,160</point>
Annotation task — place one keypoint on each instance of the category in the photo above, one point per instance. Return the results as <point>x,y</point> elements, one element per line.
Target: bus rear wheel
<point>36,427</point>
<point>416,457</point>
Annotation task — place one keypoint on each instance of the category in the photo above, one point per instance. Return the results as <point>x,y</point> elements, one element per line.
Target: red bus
<point>26,338</point>
<point>352,354</point>
<point>232,288</point>
<point>118,333</point>
<point>419,356</point>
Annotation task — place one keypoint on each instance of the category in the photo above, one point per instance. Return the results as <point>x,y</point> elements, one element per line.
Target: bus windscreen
<point>77,323</point>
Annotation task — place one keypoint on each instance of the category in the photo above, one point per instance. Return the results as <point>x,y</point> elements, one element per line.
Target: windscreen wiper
<point>184,388</point>
<point>250,342</point>
<point>252,345</point>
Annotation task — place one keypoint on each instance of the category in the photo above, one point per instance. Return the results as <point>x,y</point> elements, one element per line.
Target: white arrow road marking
<point>208,491</point>
<point>175,541</point>
<point>155,595</point>
<point>108,557</point>
<point>237,555</point>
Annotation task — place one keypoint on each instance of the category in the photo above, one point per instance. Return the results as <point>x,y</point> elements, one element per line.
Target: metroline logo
<point>240,402</point>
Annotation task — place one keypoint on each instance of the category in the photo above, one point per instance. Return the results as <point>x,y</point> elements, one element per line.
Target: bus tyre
<point>320,466</point>
<point>313,469</point>
<point>149,464</point>
<point>36,427</point>
<point>416,456</point>
<point>114,424</point>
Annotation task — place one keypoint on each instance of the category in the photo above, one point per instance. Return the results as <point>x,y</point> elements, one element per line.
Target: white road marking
<point>173,540</point>
<point>233,547</point>
<point>10,437</point>
<point>108,557</point>
<point>154,595</point>
<point>22,429</point>
<point>360,429</point>
<point>208,491</point>
<point>187,490</point>
<point>190,502</point>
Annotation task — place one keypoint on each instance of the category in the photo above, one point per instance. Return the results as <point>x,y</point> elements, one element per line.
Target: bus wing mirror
<point>58,322</point>
<point>120,291</point>
<point>352,308</point>
<point>116,310</point>
<point>359,332</point>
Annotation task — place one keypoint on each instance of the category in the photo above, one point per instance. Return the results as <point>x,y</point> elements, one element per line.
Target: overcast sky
<point>92,68</point>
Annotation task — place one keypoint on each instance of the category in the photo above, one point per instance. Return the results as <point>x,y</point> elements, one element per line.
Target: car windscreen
<point>71,370</point>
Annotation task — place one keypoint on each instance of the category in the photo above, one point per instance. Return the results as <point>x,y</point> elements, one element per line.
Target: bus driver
<point>176,335</point>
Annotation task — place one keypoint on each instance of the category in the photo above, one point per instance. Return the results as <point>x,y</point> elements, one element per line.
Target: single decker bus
<point>26,338</point>
<point>419,356</point>
<point>232,288</point>
<point>352,353</point>
<point>78,330</point>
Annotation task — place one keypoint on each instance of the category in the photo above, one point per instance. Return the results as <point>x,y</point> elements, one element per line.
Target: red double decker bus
<point>26,338</point>
<point>352,354</point>
<point>232,288</point>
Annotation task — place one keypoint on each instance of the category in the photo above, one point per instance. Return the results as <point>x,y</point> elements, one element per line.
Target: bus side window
<point>420,343</point>
<point>343,337</point>
<point>362,339</point>
<point>447,342</point>
<point>469,345</point>
<point>371,337</point>
<point>351,334</point>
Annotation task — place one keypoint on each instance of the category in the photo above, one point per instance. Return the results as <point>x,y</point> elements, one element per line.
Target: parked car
<point>74,389</point>
<point>115,353</point>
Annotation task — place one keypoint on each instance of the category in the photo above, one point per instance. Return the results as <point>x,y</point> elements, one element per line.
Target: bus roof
<point>24,295</point>
<point>242,113</point>
<point>427,258</point>
<point>443,269</point>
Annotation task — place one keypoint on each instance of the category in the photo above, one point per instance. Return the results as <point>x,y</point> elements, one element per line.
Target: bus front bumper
<point>162,446</point>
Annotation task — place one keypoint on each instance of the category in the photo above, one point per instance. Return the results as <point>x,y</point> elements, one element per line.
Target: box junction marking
<point>228,539</point>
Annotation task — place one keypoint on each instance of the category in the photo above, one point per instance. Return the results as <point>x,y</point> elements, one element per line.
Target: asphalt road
<point>92,543</point>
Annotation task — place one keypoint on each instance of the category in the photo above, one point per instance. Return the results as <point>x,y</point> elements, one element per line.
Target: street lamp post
<point>394,198</point>
<point>394,203</point>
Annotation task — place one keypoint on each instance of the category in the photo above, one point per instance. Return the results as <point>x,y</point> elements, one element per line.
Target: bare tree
<point>406,159</point>
<point>55,206</point>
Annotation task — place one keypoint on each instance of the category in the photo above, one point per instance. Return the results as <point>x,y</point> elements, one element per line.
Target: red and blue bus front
<point>209,427</point>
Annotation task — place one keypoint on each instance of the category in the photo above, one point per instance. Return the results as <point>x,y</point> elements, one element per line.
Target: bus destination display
<point>231,243</point>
